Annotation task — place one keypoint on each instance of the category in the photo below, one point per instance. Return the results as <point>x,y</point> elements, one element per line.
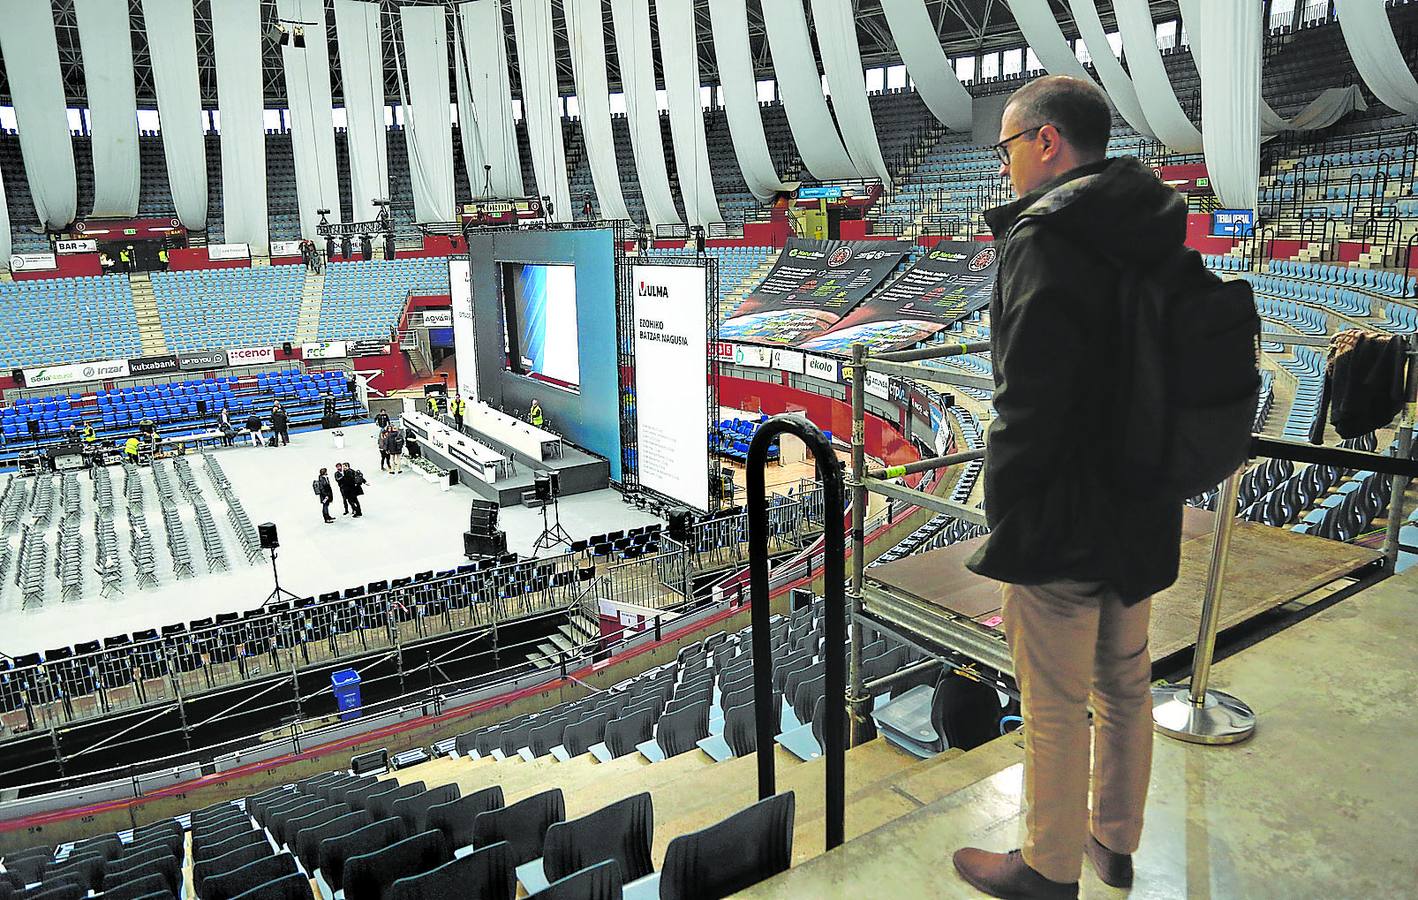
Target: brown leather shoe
<point>1114,869</point>
<point>1008,876</point>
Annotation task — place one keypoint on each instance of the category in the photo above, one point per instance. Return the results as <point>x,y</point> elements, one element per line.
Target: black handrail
<point>1343,457</point>
<point>829,472</point>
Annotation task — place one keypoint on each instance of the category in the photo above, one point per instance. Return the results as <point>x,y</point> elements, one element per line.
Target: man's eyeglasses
<point>1002,148</point>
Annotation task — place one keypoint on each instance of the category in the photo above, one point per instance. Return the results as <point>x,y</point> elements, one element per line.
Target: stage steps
<point>145,311</point>
<point>307,328</point>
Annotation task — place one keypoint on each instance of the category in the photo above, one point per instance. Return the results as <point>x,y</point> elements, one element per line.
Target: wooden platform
<point>935,595</point>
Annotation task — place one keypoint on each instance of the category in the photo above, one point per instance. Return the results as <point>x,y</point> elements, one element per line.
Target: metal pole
<point>1398,485</point>
<point>856,699</point>
<point>1195,714</point>
<point>926,465</point>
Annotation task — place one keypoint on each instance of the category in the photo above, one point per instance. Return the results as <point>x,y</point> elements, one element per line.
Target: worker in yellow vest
<point>534,414</point>
<point>433,405</point>
<point>162,258</point>
<point>457,407</point>
<point>130,449</point>
<point>90,436</point>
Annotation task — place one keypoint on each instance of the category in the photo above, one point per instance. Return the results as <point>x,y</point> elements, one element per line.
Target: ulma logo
<point>982,260</point>
<point>839,256</point>
<point>652,290</point>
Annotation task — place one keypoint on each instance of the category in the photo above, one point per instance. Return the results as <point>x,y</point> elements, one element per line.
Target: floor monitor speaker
<point>681,524</point>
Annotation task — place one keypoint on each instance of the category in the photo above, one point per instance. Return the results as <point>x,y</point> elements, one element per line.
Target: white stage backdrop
<point>729,19</point>
<point>588,64</point>
<point>32,67</point>
<point>536,63</point>
<point>307,72</point>
<point>486,45</point>
<point>236,32</point>
<point>632,41</point>
<point>465,357</point>
<point>172,47</point>
<point>1154,88</point>
<point>106,38</point>
<point>671,384</point>
<point>427,111</point>
<point>1116,80</point>
<point>915,36</point>
<point>836,30</point>
<point>362,77</point>
<point>800,86</point>
<point>679,55</point>
<point>1369,36</point>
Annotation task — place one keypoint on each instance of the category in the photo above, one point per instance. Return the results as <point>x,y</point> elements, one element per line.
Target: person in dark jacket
<point>384,450</point>
<point>326,493</point>
<point>280,423</point>
<point>1080,555</point>
<point>381,419</point>
<point>351,482</point>
<point>254,428</point>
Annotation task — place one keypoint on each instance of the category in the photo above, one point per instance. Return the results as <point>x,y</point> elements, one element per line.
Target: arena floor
<point>409,525</point>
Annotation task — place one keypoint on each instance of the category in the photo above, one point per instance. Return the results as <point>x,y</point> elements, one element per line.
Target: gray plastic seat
<point>624,734</point>
<point>254,874</point>
<point>335,851</point>
<point>542,738</point>
<point>621,833</point>
<point>579,738</point>
<point>682,730</point>
<point>748,847</point>
<point>599,882</point>
<point>292,827</point>
<point>523,824</point>
<point>243,838</point>
<point>486,873</point>
<point>414,810</point>
<point>308,840</point>
<point>287,887</point>
<point>456,817</point>
<point>380,806</point>
<point>370,875</point>
<point>227,862</point>
<point>142,888</point>
<point>741,728</point>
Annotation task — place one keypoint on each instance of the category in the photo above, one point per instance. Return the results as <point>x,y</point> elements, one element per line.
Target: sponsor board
<point>285,248</point>
<point>250,356</point>
<point>438,318</point>
<point>33,262</point>
<point>152,365</point>
<point>202,359</point>
<point>101,370</point>
<point>753,357</point>
<point>325,350</point>
<point>822,367</point>
<point>788,361</point>
<point>228,251</point>
<point>83,246</point>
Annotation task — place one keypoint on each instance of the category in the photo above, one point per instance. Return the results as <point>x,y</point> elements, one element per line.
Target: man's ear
<point>1052,143</point>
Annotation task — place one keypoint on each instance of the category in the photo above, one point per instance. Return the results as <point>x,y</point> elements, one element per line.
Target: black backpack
<point>1190,388</point>
<point>319,491</point>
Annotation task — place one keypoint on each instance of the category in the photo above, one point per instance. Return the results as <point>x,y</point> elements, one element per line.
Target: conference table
<point>510,431</point>
<point>465,451</point>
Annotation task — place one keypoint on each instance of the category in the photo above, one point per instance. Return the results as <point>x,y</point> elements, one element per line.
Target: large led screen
<point>539,318</point>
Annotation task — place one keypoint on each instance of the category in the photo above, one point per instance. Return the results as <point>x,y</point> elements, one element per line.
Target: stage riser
<point>577,472</point>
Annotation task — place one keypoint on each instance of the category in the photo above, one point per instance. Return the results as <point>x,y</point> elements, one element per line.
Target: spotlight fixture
<point>299,42</point>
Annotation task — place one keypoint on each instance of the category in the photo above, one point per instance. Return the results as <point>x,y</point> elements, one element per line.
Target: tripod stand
<point>277,592</point>
<point>552,534</point>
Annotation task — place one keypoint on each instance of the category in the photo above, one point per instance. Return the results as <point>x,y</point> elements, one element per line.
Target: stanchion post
<point>1398,485</point>
<point>856,702</point>
<point>1194,713</point>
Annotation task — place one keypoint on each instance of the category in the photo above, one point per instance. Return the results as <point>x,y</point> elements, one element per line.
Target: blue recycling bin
<point>346,685</point>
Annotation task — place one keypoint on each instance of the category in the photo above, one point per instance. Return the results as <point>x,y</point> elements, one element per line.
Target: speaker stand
<point>552,535</point>
<point>277,592</point>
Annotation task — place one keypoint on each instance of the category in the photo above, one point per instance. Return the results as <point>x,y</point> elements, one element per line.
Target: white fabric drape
<point>172,47</point>
<point>1369,36</point>
<point>357,31</point>
<point>106,40</point>
<point>800,86</point>
<point>586,29</point>
<point>485,40</point>
<point>1228,55</point>
<point>678,54</point>
<point>5,245</point>
<point>926,63</point>
<point>836,29</point>
<point>1154,89</point>
<point>467,118</point>
<point>236,33</point>
<point>729,19</point>
<point>1116,80</point>
<point>637,78</point>
<point>427,111</point>
<point>32,66</point>
<point>1329,107</point>
<point>541,102</point>
<point>307,73</point>
<point>1041,31</point>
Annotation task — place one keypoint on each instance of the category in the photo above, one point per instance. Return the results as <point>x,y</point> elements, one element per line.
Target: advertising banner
<point>811,287</point>
<point>152,365</point>
<point>102,370</point>
<point>754,357</point>
<point>325,350</point>
<point>250,356</point>
<point>465,358</point>
<point>285,248</point>
<point>438,318</point>
<point>948,283</point>
<point>671,308</point>
<point>33,262</point>
<point>823,367</point>
<point>85,246</point>
<point>228,251</point>
<point>788,361</point>
<point>202,359</point>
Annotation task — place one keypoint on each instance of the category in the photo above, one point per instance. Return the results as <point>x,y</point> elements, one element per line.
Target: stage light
<point>299,42</point>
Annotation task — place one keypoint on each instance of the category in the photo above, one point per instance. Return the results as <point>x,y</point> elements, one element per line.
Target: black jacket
<point>326,492</point>
<point>279,419</point>
<point>1054,508</point>
<point>382,420</point>
<point>349,484</point>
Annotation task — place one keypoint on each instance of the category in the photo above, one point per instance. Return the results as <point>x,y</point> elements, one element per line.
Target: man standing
<point>534,414</point>
<point>457,407</point>
<point>383,439</point>
<point>1080,555</point>
<point>433,405</point>
<point>381,419</point>
<point>254,428</point>
<point>326,493</point>
<point>351,482</point>
<point>396,451</point>
<point>280,423</point>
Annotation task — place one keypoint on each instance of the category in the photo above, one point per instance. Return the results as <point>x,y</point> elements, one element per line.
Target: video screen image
<point>539,312</point>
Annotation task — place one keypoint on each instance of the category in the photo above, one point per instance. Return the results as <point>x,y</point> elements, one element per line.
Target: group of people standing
<point>349,481</point>
<point>455,406</point>
<point>256,428</point>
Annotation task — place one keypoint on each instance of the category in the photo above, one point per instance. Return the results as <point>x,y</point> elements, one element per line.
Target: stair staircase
<point>736,295</point>
<point>307,327</point>
<point>145,309</point>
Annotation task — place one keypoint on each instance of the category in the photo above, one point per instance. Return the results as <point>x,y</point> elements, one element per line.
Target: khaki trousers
<point>1074,644</point>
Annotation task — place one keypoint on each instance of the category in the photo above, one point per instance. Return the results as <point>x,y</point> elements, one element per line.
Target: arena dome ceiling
<point>964,26</point>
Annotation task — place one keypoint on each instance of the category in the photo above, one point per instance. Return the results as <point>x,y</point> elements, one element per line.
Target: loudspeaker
<point>267,532</point>
<point>801,598</point>
<point>201,407</point>
<point>681,524</point>
<point>286,348</point>
<point>19,376</point>
<point>542,486</point>
<point>483,517</point>
<point>33,426</point>
<point>481,545</point>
